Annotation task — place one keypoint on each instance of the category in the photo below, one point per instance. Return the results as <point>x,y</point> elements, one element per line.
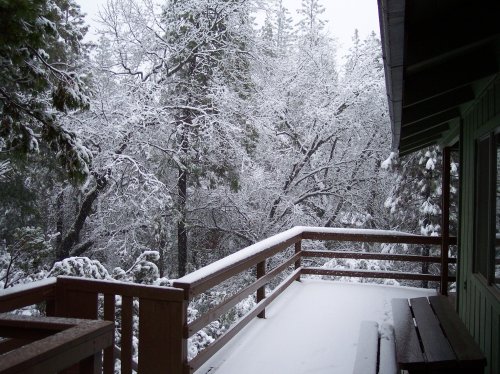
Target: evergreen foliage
<point>40,51</point>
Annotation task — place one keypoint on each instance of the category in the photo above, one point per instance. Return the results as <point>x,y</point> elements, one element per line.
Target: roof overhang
<point>438,56</point>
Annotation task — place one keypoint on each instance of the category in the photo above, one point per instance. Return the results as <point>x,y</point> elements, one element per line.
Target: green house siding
<point>478,303</point>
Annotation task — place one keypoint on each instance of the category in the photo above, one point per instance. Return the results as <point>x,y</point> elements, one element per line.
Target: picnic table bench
<point>431,338</point>
<point>375,353</point>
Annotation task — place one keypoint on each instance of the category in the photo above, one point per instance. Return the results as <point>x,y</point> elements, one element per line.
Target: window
<point>487,215</point>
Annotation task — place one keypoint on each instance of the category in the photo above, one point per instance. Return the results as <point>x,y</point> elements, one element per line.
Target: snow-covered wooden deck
<point>313,327</point>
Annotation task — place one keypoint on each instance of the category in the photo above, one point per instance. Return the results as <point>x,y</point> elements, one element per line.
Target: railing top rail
<point>354,232</point>
<point>47,324</point>
<point>39,291</point>
<point>28,287</point>
<point>78,339</point>
<point>210,275</point>
<point>27,294</point>
<point>367,235</point>
<point>123,288</point>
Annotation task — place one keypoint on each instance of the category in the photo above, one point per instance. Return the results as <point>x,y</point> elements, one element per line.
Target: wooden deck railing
<point>162,311</point>
<point>161,318</point>
<point>256,255</point>
<point>49,344</point>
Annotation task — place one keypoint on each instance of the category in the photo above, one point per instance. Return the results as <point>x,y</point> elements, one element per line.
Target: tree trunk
<point>161,250</point>
<point>72,238</point>
<point>182,239</point>
<point>60,218</point>
<point>181,223</point>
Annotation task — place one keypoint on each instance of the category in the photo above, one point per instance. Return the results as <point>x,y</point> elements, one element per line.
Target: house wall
<point>478,303</point>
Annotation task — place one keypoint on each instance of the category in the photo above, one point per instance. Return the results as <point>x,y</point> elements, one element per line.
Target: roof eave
<point>392,27</point>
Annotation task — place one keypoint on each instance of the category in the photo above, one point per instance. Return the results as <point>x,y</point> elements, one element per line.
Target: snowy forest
<point>189,131</point>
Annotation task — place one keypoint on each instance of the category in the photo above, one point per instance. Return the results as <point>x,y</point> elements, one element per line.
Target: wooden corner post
<point>77,302</point>
<point>445,220</point>
<point>162,333</point>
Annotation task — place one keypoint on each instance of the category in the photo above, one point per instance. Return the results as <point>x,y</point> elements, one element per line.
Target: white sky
<point>343,16</point>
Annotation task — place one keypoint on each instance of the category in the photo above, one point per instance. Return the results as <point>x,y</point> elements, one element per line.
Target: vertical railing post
<point>108,364</point>
<point>77,302</point>
<point>127,334</point>
<point>162,336</point>
<point>261,291</point>
<point>445,220</point>
<point>298,249</point>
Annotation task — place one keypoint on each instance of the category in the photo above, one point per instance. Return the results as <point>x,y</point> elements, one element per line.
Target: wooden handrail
<point>121,288</point>
<point>27,294</point>
<point>224,307</point>
<point>71,341</point>
<point>77,297</point>
<point>362,273</point>
<point>203,279</point>
<point>369,236</point>
<point>256,255</point>
<point>208,352</point>
<point>375,256</point>
<point>160,344</point>
<point>217,272</point>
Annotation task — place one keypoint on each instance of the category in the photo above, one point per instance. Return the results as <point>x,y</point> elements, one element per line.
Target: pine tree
<point>310,23</point>
<point>40,49</point>
<point>415,200</point>
<point>211,37</point>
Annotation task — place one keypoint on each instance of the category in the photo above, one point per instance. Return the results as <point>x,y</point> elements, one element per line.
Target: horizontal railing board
<point>219,271</point>
<point>215,273</point>
<point>372,274</point>
<point>208,352</point>
<point>372,236</point>
<point>375,256</point>
<point>52,324</point>
<point>226,305</point>
<point>60,350</point>
<point>28,294</point>
<point>7,345</point>
<point>122,288</point>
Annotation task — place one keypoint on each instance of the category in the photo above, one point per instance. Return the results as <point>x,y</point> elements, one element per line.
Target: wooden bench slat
<point>436,346</point>
<point>367,351</point>
<point>408,351</point>
<point>461,341</point>
<point>387,350</point>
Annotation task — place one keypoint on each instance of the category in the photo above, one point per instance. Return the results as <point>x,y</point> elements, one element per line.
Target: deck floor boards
<point>313,327</point>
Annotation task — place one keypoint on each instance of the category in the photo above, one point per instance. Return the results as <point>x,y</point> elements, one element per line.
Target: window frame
<point>485,186</point>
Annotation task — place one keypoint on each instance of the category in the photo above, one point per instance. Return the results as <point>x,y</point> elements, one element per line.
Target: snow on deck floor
<point>313,327</point>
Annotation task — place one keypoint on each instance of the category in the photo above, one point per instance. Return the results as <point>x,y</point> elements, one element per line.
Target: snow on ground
<point>313,327</point>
